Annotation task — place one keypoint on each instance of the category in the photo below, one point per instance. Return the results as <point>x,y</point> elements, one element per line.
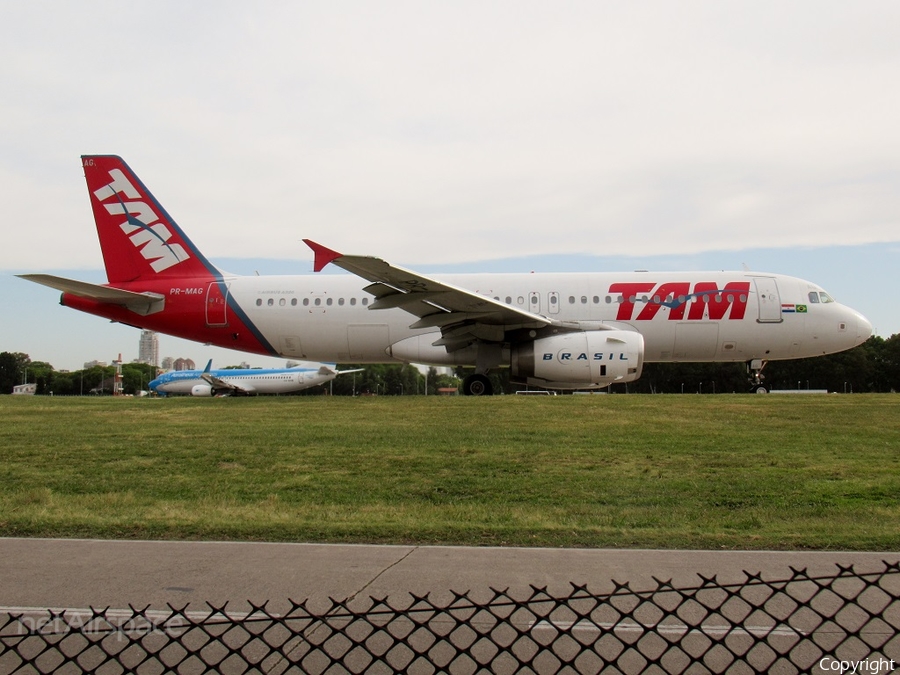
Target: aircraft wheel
<point>759,389</point>
<point>477,385</point>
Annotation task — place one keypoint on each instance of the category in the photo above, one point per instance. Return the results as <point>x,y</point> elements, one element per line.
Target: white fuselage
<point>693,316</point>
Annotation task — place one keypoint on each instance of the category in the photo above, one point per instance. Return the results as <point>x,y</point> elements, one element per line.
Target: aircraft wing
<point>463,316</point>
<point>140,303</point>
<point>218,384</point>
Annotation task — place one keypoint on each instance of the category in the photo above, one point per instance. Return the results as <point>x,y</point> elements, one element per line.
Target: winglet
<point>323,255</point>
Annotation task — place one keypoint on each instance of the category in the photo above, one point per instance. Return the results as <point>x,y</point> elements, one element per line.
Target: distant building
<point>148,348</point>
<point>184,364</point>
<point>170,363</point>
<point>25,389</point>
<point>91,364</point>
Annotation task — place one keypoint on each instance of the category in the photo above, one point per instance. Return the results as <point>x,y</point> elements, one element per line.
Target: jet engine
<point>201,390</point>
<point>579,360</point>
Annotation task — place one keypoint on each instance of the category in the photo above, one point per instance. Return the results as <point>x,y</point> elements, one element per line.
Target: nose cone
<point>153,384</point>
<point>863,328</point>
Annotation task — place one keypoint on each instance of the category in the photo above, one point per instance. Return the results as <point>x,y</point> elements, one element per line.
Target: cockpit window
<point>820,296</point>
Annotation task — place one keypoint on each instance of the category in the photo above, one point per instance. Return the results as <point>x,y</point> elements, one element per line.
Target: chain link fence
<point>797,624</point>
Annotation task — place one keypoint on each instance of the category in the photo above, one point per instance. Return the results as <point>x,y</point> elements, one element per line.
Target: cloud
<point>449,132</point>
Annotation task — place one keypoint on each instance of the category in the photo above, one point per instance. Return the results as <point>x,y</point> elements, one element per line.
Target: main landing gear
<point>756,378</point>
<point>477,385</point>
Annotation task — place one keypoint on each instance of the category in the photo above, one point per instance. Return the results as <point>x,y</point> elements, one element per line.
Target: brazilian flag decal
<point>801,309</point>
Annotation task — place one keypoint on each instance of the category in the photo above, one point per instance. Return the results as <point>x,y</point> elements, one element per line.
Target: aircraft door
<point>553,302</point>
<point>534,302</point>
<point>769,300</point>
<point>217,305</point>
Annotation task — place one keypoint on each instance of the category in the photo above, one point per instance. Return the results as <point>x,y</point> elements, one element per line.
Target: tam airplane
<point>559,331</point>
<point>245,381</point>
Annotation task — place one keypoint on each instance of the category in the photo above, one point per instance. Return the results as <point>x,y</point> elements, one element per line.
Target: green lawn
<point>727,471</point>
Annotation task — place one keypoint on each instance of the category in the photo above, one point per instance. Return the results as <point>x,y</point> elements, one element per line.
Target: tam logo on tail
<point>142,226</point>
<point>139,239</point>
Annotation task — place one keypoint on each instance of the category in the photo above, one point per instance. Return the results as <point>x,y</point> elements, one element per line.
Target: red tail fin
<point>138,238</point>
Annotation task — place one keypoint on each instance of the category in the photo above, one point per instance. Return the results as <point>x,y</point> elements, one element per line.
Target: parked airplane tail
<point>139,240</point>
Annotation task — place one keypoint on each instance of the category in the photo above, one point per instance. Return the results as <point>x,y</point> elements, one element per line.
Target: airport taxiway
<point>78,573</point>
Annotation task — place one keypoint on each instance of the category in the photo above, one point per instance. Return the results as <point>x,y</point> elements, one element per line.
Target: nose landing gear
<point>756,378</point>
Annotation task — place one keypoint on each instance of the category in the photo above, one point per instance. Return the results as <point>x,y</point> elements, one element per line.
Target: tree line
<point>874,366</point>
<point>18,368</point>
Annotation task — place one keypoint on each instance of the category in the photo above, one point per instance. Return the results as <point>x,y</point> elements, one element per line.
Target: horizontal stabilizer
<point>140,303</point>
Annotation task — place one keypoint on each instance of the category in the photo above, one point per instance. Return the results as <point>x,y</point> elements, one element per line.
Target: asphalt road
<point>68,573</point>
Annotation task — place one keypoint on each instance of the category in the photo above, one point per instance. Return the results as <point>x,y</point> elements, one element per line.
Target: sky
<point>456,136</point>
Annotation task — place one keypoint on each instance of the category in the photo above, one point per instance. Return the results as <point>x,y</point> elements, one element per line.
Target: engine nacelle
<point>579,360</point>
<point>419,349</point>
<point>201,390</point>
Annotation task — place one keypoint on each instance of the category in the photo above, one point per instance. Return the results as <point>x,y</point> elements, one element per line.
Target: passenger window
<point>271,302</point>
<point>306,302</point>
<point>508,300</point>
<point>583,299</point>
<point>353,301</point>
<point>329,302</point>
<point>341,302</point>
<point>282,302</point>
<point>814,297</point>
<point>318,301</point>
<point>596,299</point>
<point>293,302</point>
<point>365,301</point>
<point>259,302</point>
<point>571,299</point>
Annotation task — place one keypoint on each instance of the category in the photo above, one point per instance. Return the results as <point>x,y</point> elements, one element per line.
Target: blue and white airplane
<point>247,381</point>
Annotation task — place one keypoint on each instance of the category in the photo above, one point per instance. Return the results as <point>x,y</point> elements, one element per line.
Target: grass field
<point>818,472</point>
